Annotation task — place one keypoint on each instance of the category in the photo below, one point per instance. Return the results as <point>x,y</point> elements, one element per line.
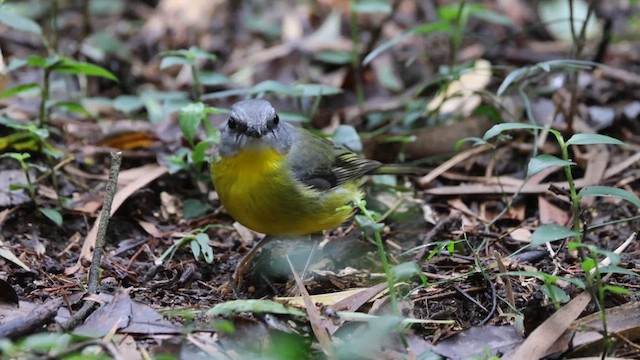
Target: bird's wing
<point>323,165</point>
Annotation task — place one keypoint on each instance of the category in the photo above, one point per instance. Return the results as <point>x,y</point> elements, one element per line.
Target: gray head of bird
<point>254,123</point>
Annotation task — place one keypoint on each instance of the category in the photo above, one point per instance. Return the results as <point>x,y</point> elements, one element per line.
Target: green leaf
<point>347,136</point>
<point>616,289</point>
<point>72,106</point>
<point>195,248</point>
<point>37,61</point>
<point>19,22</point>
<point>385,46</point>
<point>405,271</point>
<point>127,103</point>
<point>590,139</point>
<point>334,57</point>
<point>15,64</point>
<point>198,53</point>
<point>274,87</point>
<point>68,66</point>
<point>558,293</point>
<point>367,223</point>
<point>610,191</point>
<point>541,162</point>
<point>492,17</point>
<point>194,208</point>
<point>550,232</point>
<point>175,60</point>
<point>213,78</point>
<point>511,78</point>
<point>500,128</point>
<point>18,90</point>
<point>371,6</point>
<point>255,307</point>
<point>317,90</point>
<point>190,119</point>
<point>53,215</point>
<point>616,270</point>
<point>207,251</point>
<point>588,264</point>
<point>199,152</point>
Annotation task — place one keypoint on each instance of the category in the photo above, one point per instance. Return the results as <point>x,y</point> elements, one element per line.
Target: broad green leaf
<point>207,251</point>
<point>127,103</point>
<point>550,232</point>
<point>610,191</point>
<point>72,106</point>
<point>275,87</point>
<point>616,270</point>
<point>500,128</point>
<point>199,152</point>
<point>588,264</point>
<point>511,78</point>
<point>492,17</point>
<point>547,278</point>
<point>194,208</point>
<point>590,139</point>
<point>616,290</point>
<point>37,61</point>
<point>437,26</point>
<point>367,223</point>
<point>317,90</point>
<point>15,64</point>
<point>198,53</point>
<point>405,271</point>
<point>334,57</point>
<point>213,78</point>
<point>541,162</point>
<point>190,119</point>
<point>347,136</point>
<point>53,215</point>
<point>292,117</point>
<point>195,248</point>
<point>558,293</point>
<point>384,47</point>
<point>18,90</point>
<point>175,60</point>
<point>19,22</point>
<point>371,6</point>
<point>68,66</point>
<point>255,307</point>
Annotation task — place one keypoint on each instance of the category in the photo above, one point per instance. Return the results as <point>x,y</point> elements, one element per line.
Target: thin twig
<point>94,271</point>
<point>110,192</point>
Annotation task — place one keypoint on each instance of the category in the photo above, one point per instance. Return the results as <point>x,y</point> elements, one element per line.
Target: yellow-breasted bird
<point>278,179</point>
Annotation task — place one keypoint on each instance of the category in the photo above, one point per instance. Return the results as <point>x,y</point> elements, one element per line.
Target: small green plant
<point>198,240</point>
<point>370,223</point>
<point>54,64</point>
<point>191,57</point>
<point>589,254</point>
<point>192,159</point>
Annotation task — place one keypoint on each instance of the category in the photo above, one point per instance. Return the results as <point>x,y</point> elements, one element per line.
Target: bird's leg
<point>245,263</point>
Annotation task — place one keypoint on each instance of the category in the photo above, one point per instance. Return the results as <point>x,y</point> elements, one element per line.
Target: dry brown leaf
<point>551,214</point>
<point>536,345</point>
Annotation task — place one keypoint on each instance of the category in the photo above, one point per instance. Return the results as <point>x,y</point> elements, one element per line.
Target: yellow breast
<point>260,192</point>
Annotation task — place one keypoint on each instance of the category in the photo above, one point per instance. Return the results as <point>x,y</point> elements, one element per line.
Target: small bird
<point>278,179</point>
<point>282,180</point>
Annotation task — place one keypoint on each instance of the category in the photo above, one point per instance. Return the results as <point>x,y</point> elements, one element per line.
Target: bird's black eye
<point>276,120</point>
<point>232,123</point>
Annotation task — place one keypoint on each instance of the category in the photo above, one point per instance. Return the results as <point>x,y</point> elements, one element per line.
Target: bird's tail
<point>399,169</point>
